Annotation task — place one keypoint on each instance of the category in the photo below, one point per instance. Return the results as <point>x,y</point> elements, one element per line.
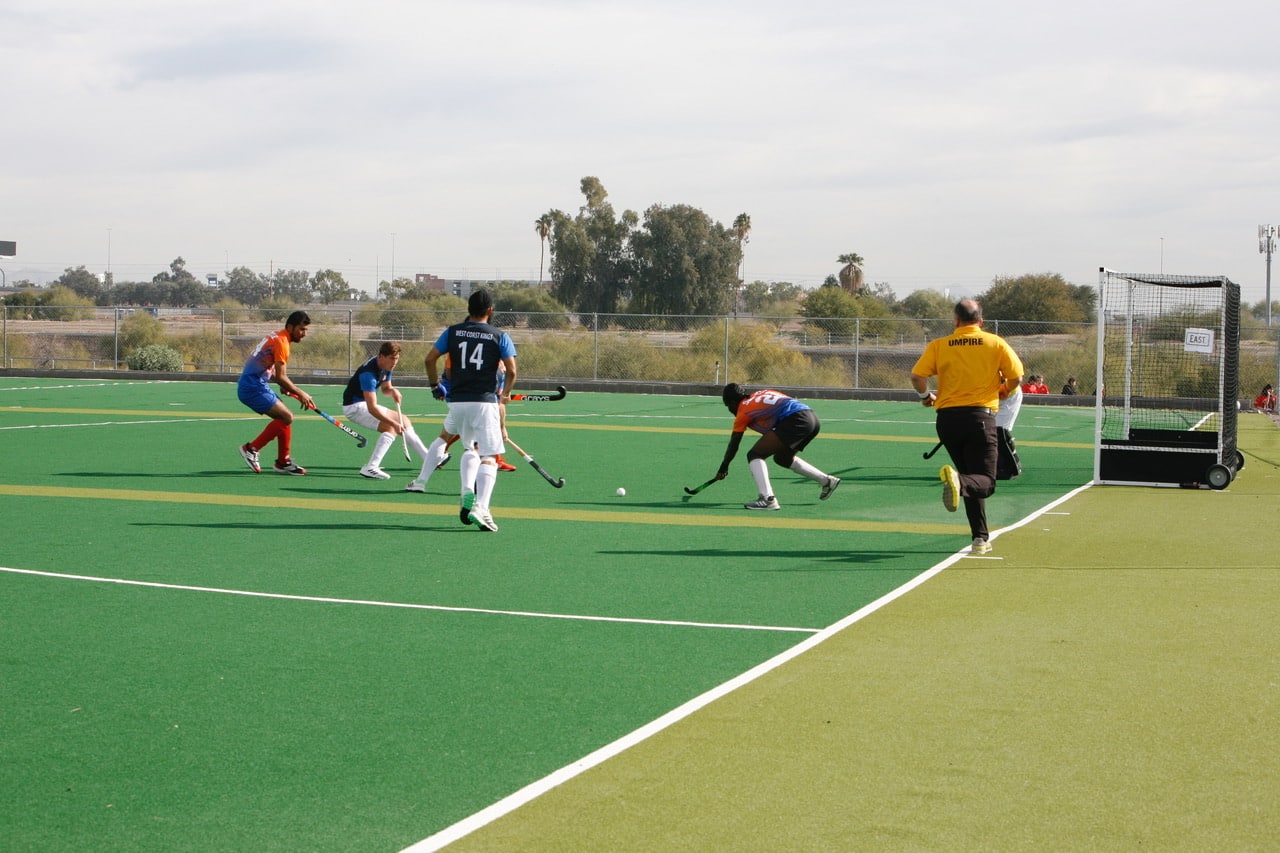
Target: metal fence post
<point>726,349</point>
<point>222,340</point>
<point>1276,384</point>
<point>857,353</point>
<point>595,346</point>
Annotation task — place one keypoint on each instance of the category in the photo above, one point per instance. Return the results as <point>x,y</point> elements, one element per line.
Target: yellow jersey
<point>970,365</point>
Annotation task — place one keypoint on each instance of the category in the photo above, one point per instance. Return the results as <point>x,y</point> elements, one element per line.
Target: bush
<point>139,330</point>
<point>155,358</point>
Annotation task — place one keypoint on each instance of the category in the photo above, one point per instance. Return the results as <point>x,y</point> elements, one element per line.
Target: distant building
<point>431,282</point>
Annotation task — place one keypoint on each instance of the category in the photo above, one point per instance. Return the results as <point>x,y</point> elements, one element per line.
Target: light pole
<point>1161,256</point>
<point>1266,246</point>
<point>393,258</point>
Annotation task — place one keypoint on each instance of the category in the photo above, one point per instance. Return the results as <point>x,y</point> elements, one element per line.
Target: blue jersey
<point>475,350</point>
<point>368,377</point>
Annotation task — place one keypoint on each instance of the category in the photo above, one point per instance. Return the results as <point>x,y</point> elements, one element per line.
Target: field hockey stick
<point>541,398</point>
<point>696,489</point>
<point>929,455</point>
<point>400,417</point>
<point>559,484</point>
<point>361,441</point>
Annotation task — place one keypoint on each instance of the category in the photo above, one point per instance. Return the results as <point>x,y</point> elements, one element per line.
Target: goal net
<point>1168,365</point>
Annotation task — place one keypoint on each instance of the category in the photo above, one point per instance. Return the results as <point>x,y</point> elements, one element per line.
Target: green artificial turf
<point>215,659</point>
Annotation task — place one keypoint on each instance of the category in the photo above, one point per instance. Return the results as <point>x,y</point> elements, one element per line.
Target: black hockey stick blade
<point>541,398</point>
<point>696,489</point>
<point>559,484</point>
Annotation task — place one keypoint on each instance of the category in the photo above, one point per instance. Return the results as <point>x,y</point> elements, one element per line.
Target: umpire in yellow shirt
<point>975,369</point>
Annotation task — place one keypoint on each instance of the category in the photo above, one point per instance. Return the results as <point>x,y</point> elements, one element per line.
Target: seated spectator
<point>1070,387</point>
<point>1266,401</point>
<point>1035,385</point>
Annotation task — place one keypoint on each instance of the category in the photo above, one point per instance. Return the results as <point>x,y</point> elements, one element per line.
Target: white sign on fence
<point>1198,340</point>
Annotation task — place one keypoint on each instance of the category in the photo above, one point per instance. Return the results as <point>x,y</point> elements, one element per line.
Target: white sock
<point>431,457</point>
<point>380,448</point>
<point>760,473</point>
<point>467,466</point>
<point>486,477</point>
<point>415,443</point>
<point>801,467</point>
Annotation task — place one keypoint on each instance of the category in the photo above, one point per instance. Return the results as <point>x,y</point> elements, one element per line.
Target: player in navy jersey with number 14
<point>475,349</point>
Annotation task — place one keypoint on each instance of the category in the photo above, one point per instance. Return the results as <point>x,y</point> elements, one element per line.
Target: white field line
<point>90,385</point>
<point>163,420</point>
<point>408,606</point>
<point>532,791</point>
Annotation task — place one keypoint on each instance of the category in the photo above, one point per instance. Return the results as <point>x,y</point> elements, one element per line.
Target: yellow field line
<point>562,425</point>
<point>668,519</point>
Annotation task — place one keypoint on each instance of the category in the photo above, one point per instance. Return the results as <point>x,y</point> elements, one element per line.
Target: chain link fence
<point>790,352</point>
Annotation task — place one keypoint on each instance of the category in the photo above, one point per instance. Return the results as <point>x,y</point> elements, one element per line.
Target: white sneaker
<point>288,466</point>
<point>416,486</point>
<point>374,473</point>
<point>251,458</point>
<point>444,460</point>
<point>480,516</point>
<point>828,487</point>
<point>763,502</point>
<point>980,546</point>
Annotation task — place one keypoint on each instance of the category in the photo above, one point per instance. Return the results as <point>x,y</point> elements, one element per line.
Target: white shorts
<point>478,424</point>
<point>358,413</point>
<point>1007,414</point>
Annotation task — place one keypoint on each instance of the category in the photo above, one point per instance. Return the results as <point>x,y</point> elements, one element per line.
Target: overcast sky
<point>946,142</point>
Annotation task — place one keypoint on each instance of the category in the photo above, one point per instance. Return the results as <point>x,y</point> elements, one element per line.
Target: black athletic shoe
<point>468,501</point>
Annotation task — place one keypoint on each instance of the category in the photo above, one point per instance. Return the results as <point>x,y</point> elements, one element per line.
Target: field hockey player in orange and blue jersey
<point>266,363</point>
<point>786,427</point>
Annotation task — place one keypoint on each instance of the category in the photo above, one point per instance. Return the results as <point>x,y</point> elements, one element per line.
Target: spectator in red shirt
<point>1035,385</point>
<point>1266,401</point>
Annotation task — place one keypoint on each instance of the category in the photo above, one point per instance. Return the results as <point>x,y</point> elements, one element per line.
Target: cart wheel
<point>1218,476</point>
<point>1239,461</point>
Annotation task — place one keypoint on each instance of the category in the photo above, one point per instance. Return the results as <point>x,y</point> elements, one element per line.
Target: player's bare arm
<point>286,385</point>
<point>387,422</point>
<point>921,384</point>
<point>510,364</point>
<point>735,441</point>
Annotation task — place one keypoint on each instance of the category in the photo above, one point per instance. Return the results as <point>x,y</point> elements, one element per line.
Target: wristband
<point>924,395</point>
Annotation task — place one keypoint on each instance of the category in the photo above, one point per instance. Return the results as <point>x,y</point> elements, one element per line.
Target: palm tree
<point>742,233</point>
<point>543,226</point>
<point>851,272</point>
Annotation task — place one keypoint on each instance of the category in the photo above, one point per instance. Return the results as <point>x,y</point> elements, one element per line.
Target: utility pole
<point>1267,246</point>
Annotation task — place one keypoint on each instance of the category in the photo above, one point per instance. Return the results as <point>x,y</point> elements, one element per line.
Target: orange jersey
<point>763,409</point>
<point>262,361</point>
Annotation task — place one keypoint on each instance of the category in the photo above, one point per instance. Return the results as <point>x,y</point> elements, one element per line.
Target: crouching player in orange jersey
<point>786,427</point>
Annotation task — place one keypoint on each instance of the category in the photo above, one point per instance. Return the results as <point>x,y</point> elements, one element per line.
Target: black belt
<point>981,409</point>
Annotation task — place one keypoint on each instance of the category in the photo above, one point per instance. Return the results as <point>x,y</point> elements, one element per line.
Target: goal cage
<point>1168,380</point>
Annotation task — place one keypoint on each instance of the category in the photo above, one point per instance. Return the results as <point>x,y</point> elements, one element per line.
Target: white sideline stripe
<point>406,606</point>
<point>125,423</point>
<point>532,791</point>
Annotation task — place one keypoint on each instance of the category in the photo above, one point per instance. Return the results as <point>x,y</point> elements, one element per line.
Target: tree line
<point>670,260</point>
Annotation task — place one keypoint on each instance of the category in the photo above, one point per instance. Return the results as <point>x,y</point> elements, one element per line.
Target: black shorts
<point>796,431</point>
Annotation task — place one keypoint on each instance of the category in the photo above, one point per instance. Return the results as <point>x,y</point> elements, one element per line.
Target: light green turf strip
<point>276,501</point>
<point>180,415</point>
<point>1109,682</point>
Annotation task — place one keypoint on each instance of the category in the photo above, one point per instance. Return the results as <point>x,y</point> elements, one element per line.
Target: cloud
<point>944,142</point>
